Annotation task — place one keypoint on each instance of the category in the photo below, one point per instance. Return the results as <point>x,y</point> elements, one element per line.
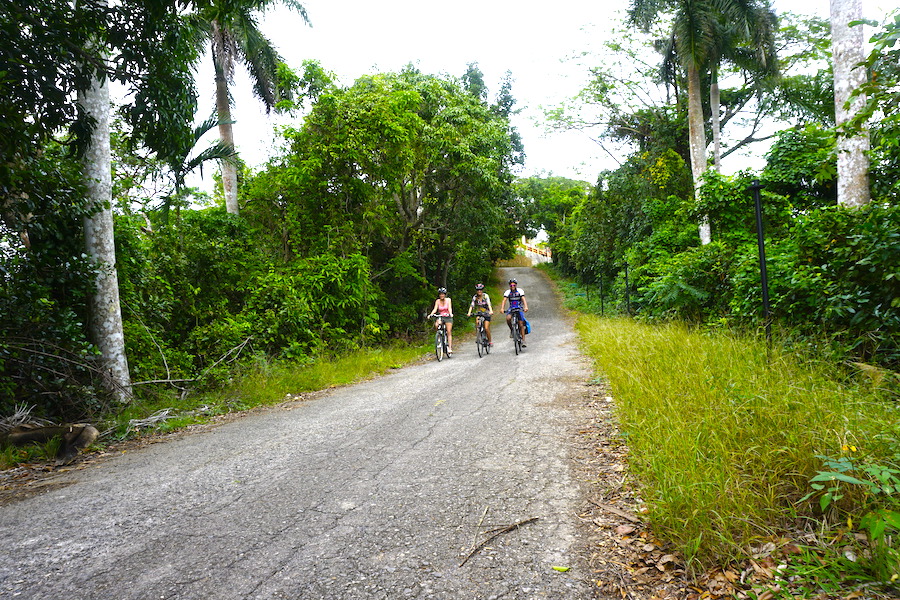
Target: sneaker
<point>524,345</point>
<point>491,344</point>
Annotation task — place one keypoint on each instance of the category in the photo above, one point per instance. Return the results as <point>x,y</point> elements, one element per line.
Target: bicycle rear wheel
<point>439,345</point>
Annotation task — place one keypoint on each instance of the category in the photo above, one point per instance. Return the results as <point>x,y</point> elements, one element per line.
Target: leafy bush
<point>802,165</point>
<point>46,359</point>
<point>692,285</point>
<point>282,320</point>
<point>856,254</point>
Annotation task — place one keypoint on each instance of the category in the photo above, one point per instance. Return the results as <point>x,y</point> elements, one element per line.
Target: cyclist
<point>443,307</point>
<point>481,302</point>
<point>517,301</point>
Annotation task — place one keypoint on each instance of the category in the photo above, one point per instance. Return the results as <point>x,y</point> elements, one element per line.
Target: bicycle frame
<point>515,319</point>
<point>481,340</point>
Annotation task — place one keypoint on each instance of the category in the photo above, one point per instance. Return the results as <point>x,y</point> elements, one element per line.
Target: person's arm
<point>490,308</point>
<point>471,306</point>
<point>503,304</point>
<point>524,303</point>
<point>450,307</point>
<point>433,309</point>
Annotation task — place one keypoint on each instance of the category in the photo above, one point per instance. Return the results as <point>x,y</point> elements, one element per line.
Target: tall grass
<point>270,383</point>
<point>263,383</point>
<point>723,435</point>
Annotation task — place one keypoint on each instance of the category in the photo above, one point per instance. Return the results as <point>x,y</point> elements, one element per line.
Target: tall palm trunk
<point>697,141</point>
<point>714,105</point>
<point>226,132</point>
<point>852,150</point>
<point>105,309</point>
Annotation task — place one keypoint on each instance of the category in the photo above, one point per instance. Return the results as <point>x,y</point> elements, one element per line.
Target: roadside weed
<point>263,383</point>
<point>724,435</point>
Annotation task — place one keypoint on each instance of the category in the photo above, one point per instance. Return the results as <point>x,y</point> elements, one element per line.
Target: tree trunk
<point>697,139</point>
<point>105,310</point>
<point>852,150</point>
<point>226,132</point>
<point>714,104</point>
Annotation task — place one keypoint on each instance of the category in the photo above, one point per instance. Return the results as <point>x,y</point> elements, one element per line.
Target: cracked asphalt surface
<point>376,490</point>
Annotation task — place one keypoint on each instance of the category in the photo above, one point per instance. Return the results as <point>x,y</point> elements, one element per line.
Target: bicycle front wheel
<point>517,339</point>
<point>439,346</point>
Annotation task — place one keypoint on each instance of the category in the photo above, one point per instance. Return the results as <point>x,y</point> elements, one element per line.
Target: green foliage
<point>729,204</point>
<point>45,279</point>
<point>51,51</point>
<point>877,501</point>
<point>692,285</point>
<point>857,254</point>
<point>258,381</point>
<point>802,165</point>
<point>550,200</point>
<point>341,238</point>
<point>283,322</point>
<point>632,216</point>
<point>397,165</point>
<point>724,445</point>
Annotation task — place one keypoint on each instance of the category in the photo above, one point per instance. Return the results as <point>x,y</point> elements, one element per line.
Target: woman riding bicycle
<point>443,307</point>
<point>517,301</point>
<point>481,302</point>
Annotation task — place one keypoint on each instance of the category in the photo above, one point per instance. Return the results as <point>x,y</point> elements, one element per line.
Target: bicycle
<point>481,339</point>
<point>515,316</point>
<point>440,339</point>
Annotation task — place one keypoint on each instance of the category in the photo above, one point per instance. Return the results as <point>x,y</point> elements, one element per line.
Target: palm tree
<point>750,50</point>
<point>697,40</point>
<point>231,28</point>
<point>181,164</point>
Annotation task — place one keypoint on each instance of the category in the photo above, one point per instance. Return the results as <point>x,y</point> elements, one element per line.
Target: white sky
<point>531,39</point>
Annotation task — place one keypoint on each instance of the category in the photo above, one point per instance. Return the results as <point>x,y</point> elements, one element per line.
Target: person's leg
<point>509,323</point>
<point>450,337</point>
<point>487,330</point>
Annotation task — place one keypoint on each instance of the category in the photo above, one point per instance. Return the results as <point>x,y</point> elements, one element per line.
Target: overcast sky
<point>535,41</point>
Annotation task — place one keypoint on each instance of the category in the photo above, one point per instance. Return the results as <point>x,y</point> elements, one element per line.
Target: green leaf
<point>830,476</point>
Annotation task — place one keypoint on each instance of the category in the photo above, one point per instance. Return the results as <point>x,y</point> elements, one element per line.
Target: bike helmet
<point>479,286</point>
<point>442,290</point>
<point>514,281</point>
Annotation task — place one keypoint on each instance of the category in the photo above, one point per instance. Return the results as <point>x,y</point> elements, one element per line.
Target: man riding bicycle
<point>516,299</point>
<point>481,303</point>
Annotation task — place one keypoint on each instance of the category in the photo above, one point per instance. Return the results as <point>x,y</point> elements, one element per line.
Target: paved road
<point>377,490</point>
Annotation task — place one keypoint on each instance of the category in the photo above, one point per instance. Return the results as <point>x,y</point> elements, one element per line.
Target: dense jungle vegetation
<point>399,182</point>
<point>386,189</point>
